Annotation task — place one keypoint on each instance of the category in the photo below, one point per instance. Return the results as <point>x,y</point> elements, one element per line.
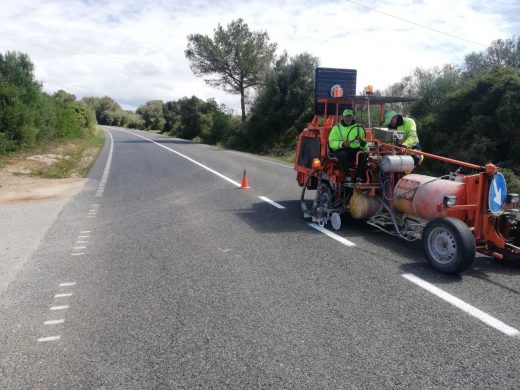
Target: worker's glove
<point>363,143</point>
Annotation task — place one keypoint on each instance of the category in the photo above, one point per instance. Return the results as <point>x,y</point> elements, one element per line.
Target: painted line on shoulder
<point>332,235</point>
<point>48,338</point>
<point>465,307</point>
<point>63,295</point>
<point>64,307</point>
<point>54,322</point>
<point>272,202</point>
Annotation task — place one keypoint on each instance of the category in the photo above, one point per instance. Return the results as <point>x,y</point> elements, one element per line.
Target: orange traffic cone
<point>245,185</point>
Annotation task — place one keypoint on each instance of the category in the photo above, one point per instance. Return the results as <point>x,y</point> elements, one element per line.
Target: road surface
<point>163,274</point>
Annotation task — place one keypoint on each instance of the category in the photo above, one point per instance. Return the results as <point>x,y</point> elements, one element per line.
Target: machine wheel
<point>448,245</point>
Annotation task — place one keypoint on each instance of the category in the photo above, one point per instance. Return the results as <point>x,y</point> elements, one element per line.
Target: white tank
<point>397,163</point>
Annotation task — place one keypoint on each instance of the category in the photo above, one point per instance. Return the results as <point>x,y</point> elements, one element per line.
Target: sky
<point>133,50</point>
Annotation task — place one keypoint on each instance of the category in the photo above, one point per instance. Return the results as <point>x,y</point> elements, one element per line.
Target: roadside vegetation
<point>33,122</point>
<point>468,111</point>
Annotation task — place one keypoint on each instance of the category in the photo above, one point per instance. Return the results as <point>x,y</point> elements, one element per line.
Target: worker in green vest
<point>407,125</point>
<point>346,139</point>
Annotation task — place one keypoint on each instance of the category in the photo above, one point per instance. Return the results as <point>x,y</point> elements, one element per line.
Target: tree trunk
<point>242,104</point>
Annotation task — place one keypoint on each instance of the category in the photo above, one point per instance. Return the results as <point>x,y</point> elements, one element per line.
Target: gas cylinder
<point>422,195</point>
<point>362,206</point>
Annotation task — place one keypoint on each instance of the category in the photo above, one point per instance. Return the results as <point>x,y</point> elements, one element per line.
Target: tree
<point>284,104</point>
<point>152,113</point>
<point>235,58</point>
<point>499,53</point>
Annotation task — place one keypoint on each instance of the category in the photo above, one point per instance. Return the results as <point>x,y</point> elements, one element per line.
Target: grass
<point>76,157</point>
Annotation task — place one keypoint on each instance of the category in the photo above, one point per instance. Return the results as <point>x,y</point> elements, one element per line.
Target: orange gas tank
<point>421,196</point>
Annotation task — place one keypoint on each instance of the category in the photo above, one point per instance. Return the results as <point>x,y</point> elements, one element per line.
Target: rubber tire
<point>465,245</point>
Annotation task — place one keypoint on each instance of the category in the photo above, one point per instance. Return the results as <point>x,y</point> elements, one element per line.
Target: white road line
<point>465,307</point>
<point>66,284</point>
<point>104,178</point>
<point>54,308</point>
<point>85,231</point>
<point>63,295</point>
<point>94,205</point>
<point>334,236</point>
<point>81,242</point>
<point>272,202</point>
<point>188,158</point>
<point>258,158</point>
<point>77,254</point>
<point>91,216</point>
<point>50,338</point>
<point>83,236</point>
<point>54,322</point>
<point>93,211</point>
<point>80,247</point>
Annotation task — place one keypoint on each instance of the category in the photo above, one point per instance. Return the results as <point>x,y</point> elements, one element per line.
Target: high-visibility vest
<point>340,133</point>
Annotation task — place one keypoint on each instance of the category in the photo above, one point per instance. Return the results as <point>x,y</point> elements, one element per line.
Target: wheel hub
<point>442,245</point>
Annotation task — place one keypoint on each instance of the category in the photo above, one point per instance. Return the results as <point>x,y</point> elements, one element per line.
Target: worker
<point>346,139</point>
<point>407,125</point>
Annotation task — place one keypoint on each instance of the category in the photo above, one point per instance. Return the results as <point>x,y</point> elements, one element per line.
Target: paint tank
<point>421,196</point>
<point>362,206</point>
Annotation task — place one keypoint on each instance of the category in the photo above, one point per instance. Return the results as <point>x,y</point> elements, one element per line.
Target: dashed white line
<point>63,295</point>
<point>49,338</point>
<point>66,284</point>
<point>77,254</point>
<point>54,322</point>
<point>80,247</point>
<point>64,307</point>
<point>334,236</point>
<point>272,202</point>
<point>465,307</point>
<point>81,242</point>
<point>84,231</point>
<point>83,236</point>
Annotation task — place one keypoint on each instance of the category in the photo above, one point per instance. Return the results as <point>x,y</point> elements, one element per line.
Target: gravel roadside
<point>23,225</point>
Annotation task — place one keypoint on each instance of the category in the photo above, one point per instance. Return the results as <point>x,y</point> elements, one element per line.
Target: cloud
<point>133,51</point>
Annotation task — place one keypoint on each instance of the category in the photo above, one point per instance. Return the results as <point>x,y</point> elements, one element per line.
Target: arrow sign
<point>497,193</point>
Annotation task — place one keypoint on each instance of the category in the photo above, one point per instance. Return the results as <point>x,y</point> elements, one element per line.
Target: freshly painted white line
<point>94,205</point>
<point>66,284</point>
<point>465,307</point>
<point>63,295</point>
<point>272,202</point>
<point>85,231</point>
<point>104,178</point>
<point>54,322</point>
<point>77,254</point>
<point>83,236</point>
<point>81,242</point>
<point>189,159</point>
<point>64,307</point>
<point>258,158</point>
<point>50,338</point>
<point>80,247</point>
<point>334,236</point>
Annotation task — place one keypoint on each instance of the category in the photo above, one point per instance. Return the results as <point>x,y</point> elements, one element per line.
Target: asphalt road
<point>162,274</point>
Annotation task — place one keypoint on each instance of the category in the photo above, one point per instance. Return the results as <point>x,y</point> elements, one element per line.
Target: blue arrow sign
<point>497,193</point>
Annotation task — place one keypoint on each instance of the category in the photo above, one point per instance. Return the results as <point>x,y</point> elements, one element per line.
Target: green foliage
<point>283,106</point>
<point>28,116</point>
<point>234,59</point>
<point>152,114</point>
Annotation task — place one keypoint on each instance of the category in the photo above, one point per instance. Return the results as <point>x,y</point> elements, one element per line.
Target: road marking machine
<point>455,215</point>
